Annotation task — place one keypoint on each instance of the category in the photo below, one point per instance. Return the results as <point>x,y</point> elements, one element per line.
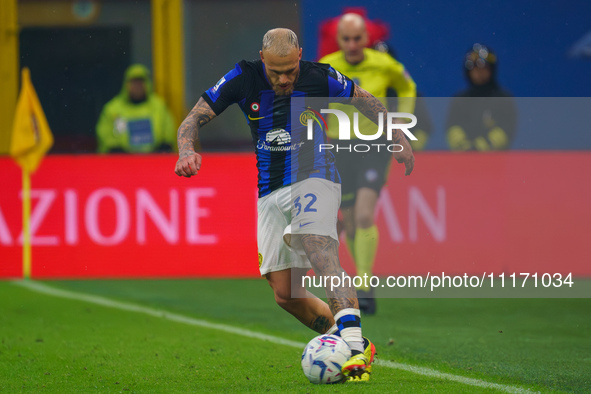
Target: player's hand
<point>406,156</point>
<point>188,164</point>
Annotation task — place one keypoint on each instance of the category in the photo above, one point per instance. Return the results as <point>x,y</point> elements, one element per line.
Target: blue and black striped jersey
<point>278,123</point>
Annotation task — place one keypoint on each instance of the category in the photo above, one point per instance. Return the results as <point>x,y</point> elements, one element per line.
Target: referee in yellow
<point>363,175</point>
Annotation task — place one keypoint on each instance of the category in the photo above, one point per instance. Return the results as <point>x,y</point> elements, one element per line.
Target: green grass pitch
<point>58,345</point>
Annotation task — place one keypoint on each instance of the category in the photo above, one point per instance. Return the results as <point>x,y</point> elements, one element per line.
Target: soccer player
<point>264,89</point>
<point>363,176</point>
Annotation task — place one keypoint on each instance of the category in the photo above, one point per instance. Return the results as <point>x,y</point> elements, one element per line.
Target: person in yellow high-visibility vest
<point>137,120</point>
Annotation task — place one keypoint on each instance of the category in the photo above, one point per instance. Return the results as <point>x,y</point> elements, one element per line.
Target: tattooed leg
<point>324,255</point>
<point>303,305</point>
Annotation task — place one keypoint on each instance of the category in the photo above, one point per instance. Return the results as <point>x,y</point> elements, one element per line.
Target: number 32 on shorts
<point>308,202</point>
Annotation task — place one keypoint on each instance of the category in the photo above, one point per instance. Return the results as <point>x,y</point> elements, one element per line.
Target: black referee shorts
<point>359,170</point>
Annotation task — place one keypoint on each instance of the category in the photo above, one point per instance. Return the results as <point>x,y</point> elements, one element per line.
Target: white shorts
<point>307,207</point>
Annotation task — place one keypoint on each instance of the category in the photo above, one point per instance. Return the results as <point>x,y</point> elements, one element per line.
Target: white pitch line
<point>42,288</point>
<point>102,301</point>
<point>456,378</point>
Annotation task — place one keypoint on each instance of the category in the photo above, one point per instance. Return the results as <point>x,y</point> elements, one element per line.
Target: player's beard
<point>283,92</point>
<point>286,92</point>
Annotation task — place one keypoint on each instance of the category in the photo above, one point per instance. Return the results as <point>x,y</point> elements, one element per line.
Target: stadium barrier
<point>131,217</point>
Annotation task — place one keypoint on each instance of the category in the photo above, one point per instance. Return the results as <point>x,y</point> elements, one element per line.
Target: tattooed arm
<point>371,107</point>
<point>189,161</point>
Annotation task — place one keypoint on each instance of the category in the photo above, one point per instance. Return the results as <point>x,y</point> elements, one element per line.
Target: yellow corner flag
<point>31,137</point>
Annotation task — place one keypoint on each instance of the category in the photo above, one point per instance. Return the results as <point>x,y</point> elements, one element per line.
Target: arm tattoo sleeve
<point>188,132</point>
<point>371,107</point>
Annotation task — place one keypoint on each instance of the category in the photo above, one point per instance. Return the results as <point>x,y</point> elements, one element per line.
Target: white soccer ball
<point>323,358</point>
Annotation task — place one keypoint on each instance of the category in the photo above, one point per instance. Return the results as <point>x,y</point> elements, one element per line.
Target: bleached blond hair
<point>280,41</point>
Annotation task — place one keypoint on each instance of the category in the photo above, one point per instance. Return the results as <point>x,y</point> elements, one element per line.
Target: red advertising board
<point>131,216</point>
<point>493,212</point>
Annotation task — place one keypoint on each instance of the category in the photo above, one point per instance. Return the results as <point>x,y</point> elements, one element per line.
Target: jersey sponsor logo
<point>262,145</point>
<point>217,85</point>
<point>259,118</point>
<point>278,140</point>
<point>278,137</point>
<point>305,224</point>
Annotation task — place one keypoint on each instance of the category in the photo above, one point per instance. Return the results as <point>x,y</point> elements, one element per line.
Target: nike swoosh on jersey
<point>305,224</point>
<point>262,117</point>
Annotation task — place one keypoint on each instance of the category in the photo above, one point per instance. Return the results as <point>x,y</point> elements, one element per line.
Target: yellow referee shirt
<point>376,73</point>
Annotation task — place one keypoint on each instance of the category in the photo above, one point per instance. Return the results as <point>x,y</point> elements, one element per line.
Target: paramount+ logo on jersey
<point>278,140</point>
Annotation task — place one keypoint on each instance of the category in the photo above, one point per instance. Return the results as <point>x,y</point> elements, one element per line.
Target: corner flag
<point>31,137</point>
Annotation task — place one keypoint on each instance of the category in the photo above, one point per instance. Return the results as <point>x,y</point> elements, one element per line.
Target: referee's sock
<point>365,247</point>
<point>351,246</point>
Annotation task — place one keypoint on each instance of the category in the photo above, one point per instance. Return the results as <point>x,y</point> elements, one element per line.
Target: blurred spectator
<point>364,175</point>
<point>482,117</point>
<point>137,119</point>
<point>377,31</point>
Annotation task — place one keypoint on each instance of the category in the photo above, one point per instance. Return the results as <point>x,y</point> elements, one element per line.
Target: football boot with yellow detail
<point>358,367</point>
